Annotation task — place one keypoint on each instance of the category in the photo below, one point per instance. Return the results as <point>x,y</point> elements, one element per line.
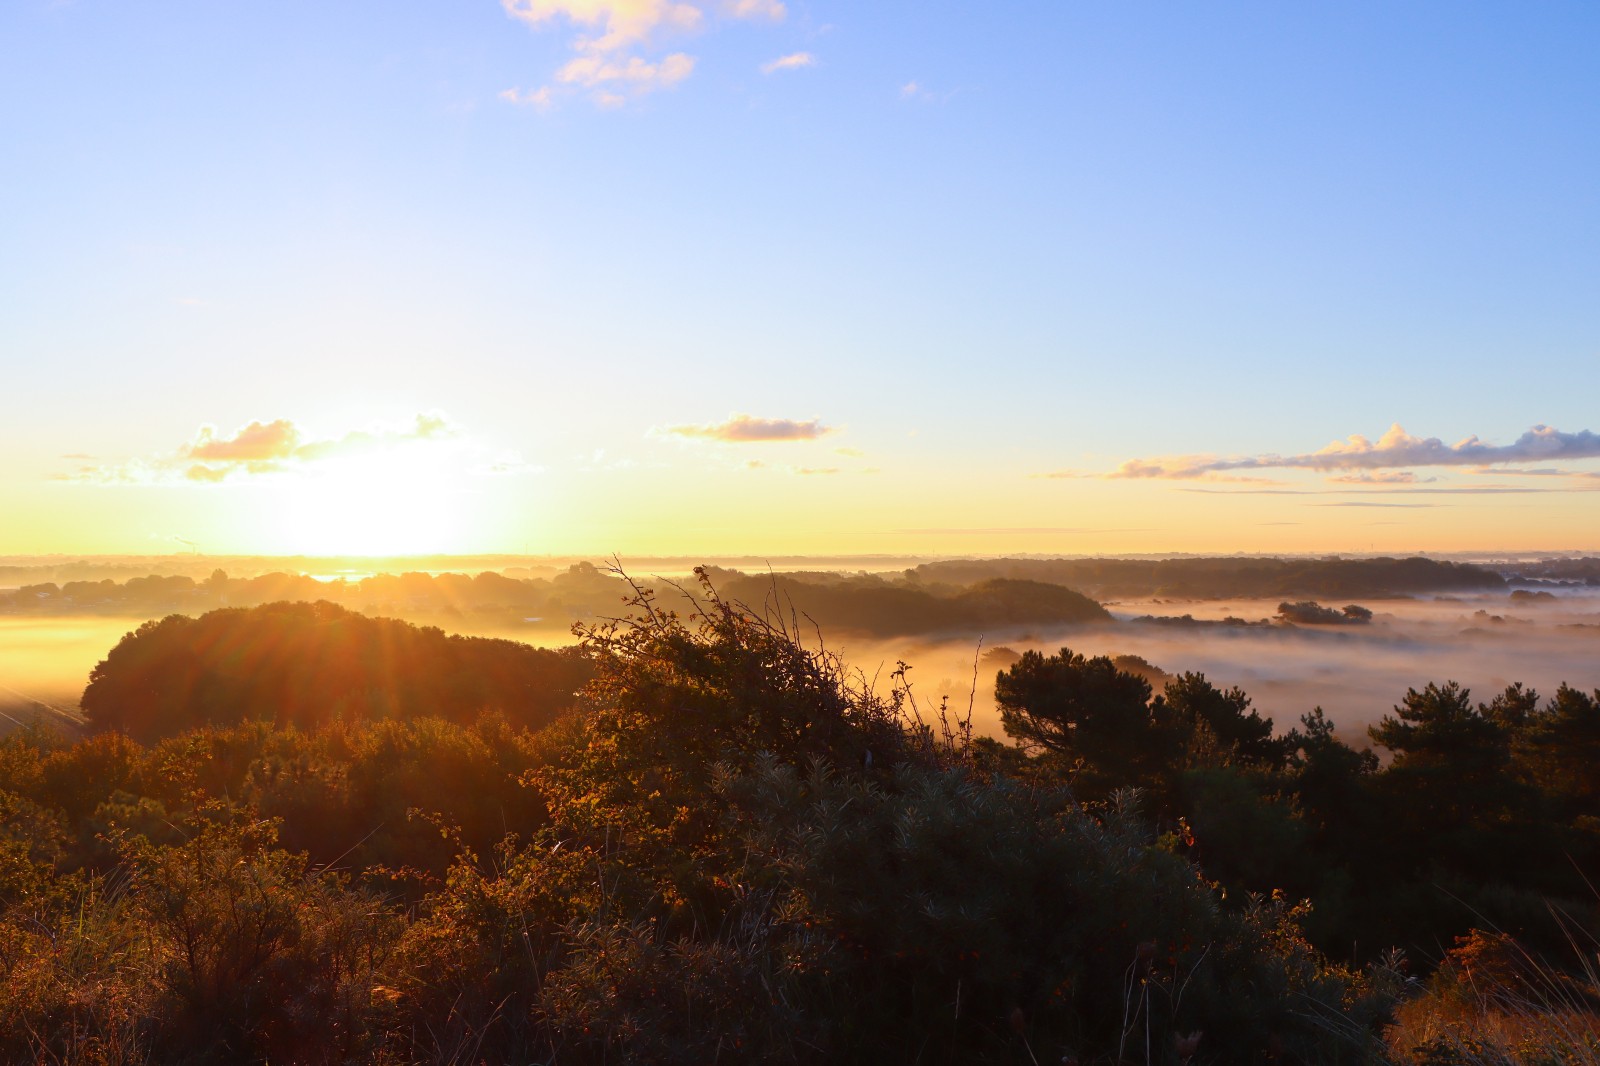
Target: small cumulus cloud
<point>816,471</point>
<point>853,453</point>
<point>1394,450</point>
<point>608,25</point>
<point>793,61</point>
<point>256,442</point>
<point>633,73</point>
<point>616,45</point>
<point>740,429</point>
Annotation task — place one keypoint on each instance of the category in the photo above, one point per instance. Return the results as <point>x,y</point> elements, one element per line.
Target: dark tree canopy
<point>310,663</point>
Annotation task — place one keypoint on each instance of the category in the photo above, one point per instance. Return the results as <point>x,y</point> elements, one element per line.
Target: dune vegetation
<point>298,835</point>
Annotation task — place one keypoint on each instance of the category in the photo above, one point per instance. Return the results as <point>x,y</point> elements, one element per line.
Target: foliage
<point>307,664</point>
<point>733,849</point>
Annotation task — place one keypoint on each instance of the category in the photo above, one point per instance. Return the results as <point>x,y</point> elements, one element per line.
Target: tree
<point>1086,709</point>
<point>1220,725</point>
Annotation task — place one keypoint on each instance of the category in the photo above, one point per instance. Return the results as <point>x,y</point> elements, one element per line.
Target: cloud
<point>274,447</point>
<point>1394,449</point>
<point>747,9</point>
<point>816,471</point>
<point>915,90</point>
<point>740,429</point>
<point>257,442</point>
<point>853,453</point>
<point>621,23</point>
<point>1461,490</point>
<point>1026,531</point>
<point>793,61</point>
<point>1374,503</point>
<point>539,99</point>
<point>1381,477</point>
<point>613,41</point>
<point>634,73</point>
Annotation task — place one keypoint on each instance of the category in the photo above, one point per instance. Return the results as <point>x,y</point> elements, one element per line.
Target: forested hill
<point>308,664</point>
<point>882,607</point>
<point>1225,578</point>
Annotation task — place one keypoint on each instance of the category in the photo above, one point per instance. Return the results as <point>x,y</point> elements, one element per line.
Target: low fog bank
<point>1355,673</point>
<point>1540,634</point>
<point>45,663</point>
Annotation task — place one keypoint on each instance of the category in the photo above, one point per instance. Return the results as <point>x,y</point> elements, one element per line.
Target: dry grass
<point>1494,1003</point>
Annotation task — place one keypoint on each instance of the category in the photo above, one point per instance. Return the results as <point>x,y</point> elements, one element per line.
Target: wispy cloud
<point>613,42</point>
<point>747,428</point>
<point>920,93</point>
<point>1381,477</point>
<point>1395,449</point>
<point>749,9</point>
<point>540,99</point>
<point>793,61</point>
<point>1375,503</point>
<point>1458,490</point>
<point>281,446</point>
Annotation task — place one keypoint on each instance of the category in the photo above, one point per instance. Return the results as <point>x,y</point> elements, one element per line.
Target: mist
<point>45,662</point>
<point>1356,674</point>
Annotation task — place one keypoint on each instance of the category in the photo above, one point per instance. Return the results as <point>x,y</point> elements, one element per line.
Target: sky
<point>678,276</point>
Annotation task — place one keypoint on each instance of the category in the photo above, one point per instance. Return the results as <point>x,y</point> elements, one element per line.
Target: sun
<point>386,503</point>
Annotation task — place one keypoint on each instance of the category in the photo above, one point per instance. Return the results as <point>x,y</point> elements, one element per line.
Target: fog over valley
<point>953,623</point>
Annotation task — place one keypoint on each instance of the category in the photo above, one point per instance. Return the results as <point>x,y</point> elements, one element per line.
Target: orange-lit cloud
<point>611,48</point>
<point>633,73</point>
<point>621,23</point>
<point>740,429</point>
<point>1395,449</point>
<point>257,442</point>
<point>269,448</point>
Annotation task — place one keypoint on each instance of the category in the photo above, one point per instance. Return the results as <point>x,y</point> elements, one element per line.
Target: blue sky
<point>978,244</point>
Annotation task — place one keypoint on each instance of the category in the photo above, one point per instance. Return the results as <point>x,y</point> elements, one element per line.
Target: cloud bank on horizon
<point>1384,461</point>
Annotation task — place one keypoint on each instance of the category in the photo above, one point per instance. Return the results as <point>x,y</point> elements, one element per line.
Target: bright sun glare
<point>389,503</point>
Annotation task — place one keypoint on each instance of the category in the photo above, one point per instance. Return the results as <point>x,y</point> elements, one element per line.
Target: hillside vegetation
<point>729,851</point>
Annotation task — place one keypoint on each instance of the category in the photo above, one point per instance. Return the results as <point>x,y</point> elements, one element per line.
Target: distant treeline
<point>929,597</point>
<point>1225,578</point>
<point>582,591</point>
<point>862,604</point>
